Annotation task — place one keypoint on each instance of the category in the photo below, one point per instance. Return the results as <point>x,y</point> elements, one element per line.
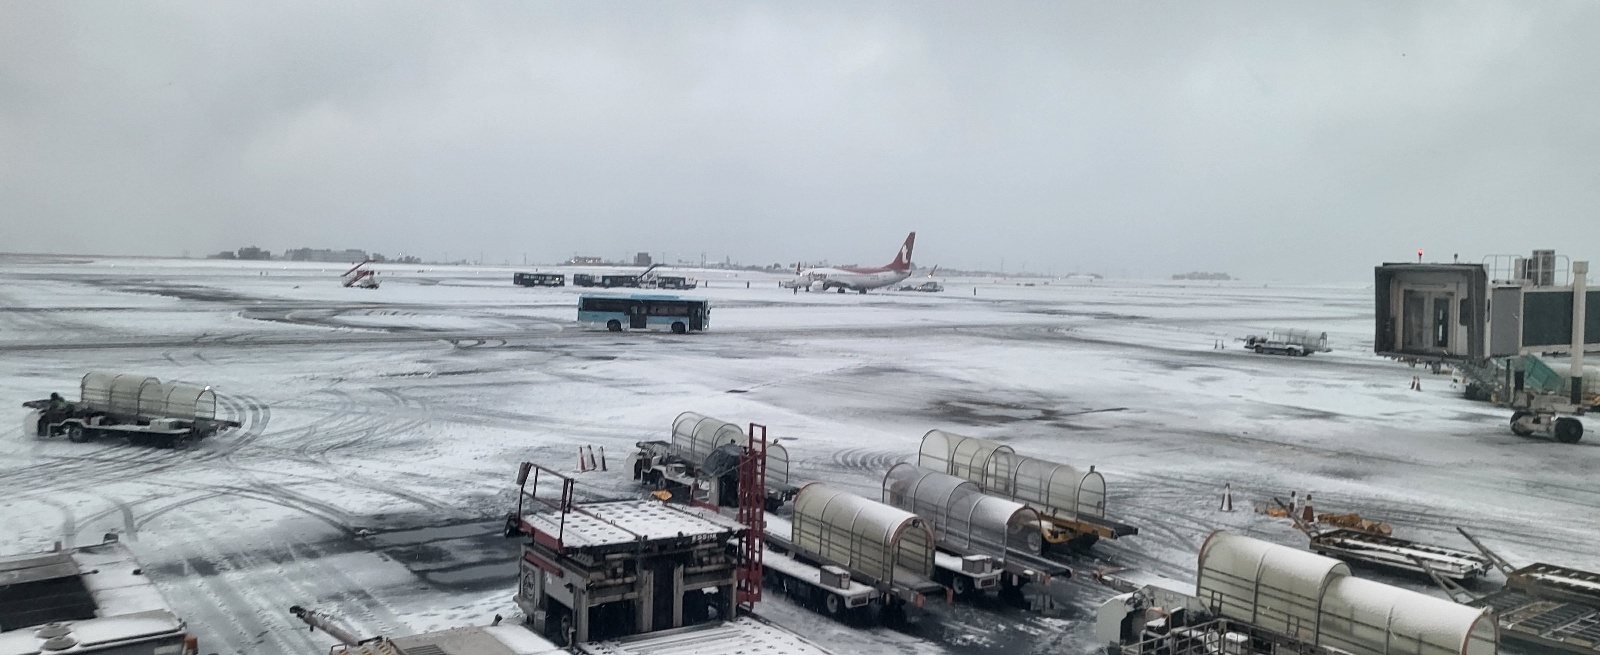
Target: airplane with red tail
<point>856,278</point>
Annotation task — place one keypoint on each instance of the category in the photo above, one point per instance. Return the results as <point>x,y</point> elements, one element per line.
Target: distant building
<point>349,256</point>
<point>584,260</point>
<point>247,252</point>
<point>1200,275</point>
<point>641,259</point>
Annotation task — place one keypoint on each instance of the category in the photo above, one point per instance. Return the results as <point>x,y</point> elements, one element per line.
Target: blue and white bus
<point>645,311</point>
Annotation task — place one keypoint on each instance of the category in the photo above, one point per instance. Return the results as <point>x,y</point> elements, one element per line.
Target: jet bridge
<point>1487,326</point>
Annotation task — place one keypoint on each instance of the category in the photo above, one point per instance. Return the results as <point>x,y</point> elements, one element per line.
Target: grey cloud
<point>1271,140</point>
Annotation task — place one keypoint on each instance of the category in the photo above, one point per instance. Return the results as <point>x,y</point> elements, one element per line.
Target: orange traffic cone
<point>1307,516</point>
<point>583,466</point>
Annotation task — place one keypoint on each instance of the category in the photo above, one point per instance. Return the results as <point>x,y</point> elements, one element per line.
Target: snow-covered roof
<point>741,636</point>
<point>116,604</point>
<point>626,521</point>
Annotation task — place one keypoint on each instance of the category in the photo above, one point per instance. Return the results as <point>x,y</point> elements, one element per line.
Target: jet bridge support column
<point>1580,271</point>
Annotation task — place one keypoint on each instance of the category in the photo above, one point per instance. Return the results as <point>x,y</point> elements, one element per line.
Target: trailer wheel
<point>1568,430</point>
<point>1517,428</point>
<point>834,604</point>
<point>961,584</point>
<point>1260,350</point>
<point>183,442</point>
<point>614,326</point>
<point>1034,542</point>
<point>679,328</point>
<point>76,433</point>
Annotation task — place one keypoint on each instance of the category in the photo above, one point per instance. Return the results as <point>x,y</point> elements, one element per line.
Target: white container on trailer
<point>695,436</point>
<point>963,517</point>
<point>1057,490</point>
<point>1276,587</point>
<point>1315,599</point>
<point>887,544</point>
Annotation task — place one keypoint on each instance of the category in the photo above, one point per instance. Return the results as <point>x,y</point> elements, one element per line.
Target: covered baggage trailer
<point>1261,598</point>
<point>842,553</point>
<point>968,523</point>
<point>139,408</point>
<point>1315,600</point>
<point>705,448</point>
<point>1254,597</point>
<point>1071,501</point>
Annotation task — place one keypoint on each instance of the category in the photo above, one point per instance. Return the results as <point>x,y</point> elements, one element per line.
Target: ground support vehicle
<point>1298,343</point>
<point>609,569</point>
<point>1252,597</point>
<point>141,409</point>
<point>1071,504</point>
<point>645,311</point>
<point>584,280</point>
<point>539,279</point>
<point>1399,554</point>
<point>976,532</point>
<point>823,588</point>
<point>87,600</point>
<point>360,276</point>
<point>1541,605</point>
<point>834,587</point>
<point>966,575</point>
<point>651,278</point>
<point>1541,401</point>
<point>701,463</point>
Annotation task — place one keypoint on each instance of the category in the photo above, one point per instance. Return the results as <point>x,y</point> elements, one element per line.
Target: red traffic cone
<point>1308,516</point>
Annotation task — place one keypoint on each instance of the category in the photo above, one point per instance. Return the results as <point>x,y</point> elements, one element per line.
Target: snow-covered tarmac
<point>382,429</point>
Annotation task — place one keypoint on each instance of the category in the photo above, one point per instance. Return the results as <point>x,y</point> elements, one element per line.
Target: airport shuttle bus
<point>645,311</point>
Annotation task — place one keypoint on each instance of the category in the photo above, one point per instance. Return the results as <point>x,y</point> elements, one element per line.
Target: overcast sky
<point>1271,140</point>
